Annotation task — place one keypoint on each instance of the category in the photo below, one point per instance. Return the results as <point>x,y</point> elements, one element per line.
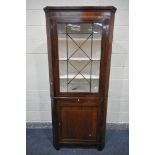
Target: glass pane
<point>62,48</point>
<point>79,48</point>
<point>61,28</point>
<point>97,28</point>
<point>79,28</point>
<point>95,85</point>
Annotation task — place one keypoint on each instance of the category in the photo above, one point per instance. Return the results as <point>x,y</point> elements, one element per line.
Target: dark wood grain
<point>77,123</point>
<point>79,119</point>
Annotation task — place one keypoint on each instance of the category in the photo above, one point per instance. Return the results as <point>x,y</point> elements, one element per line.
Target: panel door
<point>77,123</point>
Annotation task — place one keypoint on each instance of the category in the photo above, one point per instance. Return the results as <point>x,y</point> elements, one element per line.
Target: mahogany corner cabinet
<point>79,53</point>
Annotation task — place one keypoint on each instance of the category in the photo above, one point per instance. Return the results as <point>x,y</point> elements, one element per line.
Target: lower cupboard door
<point>77,123</point>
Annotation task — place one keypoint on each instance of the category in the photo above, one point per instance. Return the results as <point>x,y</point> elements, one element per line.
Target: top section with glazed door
<point>79,47</point>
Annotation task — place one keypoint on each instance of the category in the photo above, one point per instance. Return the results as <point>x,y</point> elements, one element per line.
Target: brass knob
<point>78,100</point>
<point>90,135</point>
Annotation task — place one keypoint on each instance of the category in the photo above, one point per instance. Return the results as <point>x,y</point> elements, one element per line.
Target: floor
<point>39,142</point>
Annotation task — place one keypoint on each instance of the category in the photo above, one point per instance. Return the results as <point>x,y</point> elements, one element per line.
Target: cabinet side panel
<point>52,54</point>
<point>106,62</point>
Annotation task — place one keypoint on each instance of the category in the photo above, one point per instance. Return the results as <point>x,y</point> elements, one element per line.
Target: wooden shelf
<point>64,89</point>
<point>94,77</point>
<point>80,59</point>
<point>83,39</point>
